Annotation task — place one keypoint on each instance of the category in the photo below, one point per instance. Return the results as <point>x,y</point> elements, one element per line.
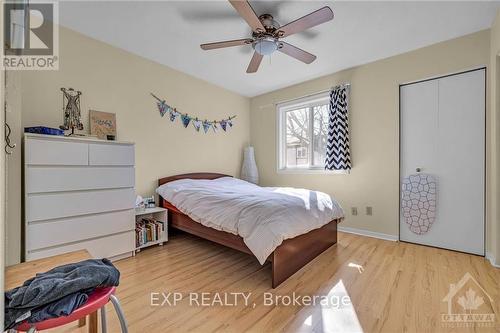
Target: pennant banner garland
<point>163,108</point>
<point>197,124</point>
<point>206,126</point>
<point>173,115</point>
<point>186,119</point>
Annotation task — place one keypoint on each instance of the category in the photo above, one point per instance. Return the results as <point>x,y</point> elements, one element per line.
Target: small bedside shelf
<point>146,211</point>
<point>157,214</point>
<point>157,242</point>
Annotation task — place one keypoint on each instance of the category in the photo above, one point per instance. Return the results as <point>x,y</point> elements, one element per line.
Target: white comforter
<point>262,216</point>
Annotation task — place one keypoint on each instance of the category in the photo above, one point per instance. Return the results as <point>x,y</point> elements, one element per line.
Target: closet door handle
<point>418,169</point>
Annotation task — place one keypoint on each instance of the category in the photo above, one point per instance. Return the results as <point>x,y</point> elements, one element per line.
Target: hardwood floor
<point>393,287</point>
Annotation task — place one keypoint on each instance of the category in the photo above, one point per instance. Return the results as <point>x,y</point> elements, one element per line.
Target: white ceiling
<point>170,32</point>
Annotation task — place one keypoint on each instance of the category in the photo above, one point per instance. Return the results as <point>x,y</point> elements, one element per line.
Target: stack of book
<point>148,230</point>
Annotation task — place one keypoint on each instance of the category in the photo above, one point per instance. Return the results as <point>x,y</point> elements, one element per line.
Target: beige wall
<point>113,80</point>
<point>495,130</point>
<point>374,127</point>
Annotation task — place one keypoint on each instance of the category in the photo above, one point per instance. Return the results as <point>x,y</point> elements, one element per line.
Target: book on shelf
<point>148,230</point>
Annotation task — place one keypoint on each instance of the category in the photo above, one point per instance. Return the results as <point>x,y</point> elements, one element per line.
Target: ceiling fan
<point>267,34</point>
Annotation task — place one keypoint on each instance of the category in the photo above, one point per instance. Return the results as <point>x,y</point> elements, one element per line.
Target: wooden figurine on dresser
<point>72,113</point>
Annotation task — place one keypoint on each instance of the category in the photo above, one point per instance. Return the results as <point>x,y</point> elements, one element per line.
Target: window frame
<point>308,102</point>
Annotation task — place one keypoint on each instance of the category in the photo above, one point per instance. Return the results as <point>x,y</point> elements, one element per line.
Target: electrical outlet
<point>354,210</point>
<point>369,210</point>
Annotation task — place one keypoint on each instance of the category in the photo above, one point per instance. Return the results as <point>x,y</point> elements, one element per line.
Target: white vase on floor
<point>249,170</point>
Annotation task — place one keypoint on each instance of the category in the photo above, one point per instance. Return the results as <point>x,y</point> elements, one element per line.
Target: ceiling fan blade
<point>322,15</point>
<point>247,13</point>
<point>227,43</point>
<point>254,64</point>
<point>296,53</point>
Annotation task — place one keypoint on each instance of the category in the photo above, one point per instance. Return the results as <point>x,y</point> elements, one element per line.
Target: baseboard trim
<point>393,238</point>
<point>367,233</point>
<point>491,259</point>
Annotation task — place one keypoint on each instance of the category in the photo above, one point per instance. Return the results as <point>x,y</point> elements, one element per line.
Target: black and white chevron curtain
<point>338,156</point>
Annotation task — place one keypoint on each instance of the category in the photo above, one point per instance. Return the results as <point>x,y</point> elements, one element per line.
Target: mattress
<point>263,216</point>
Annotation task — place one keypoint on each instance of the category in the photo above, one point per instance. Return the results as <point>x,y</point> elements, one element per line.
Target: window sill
<point>307,171</point>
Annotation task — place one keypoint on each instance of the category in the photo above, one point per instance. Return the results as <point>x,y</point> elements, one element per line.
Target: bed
<point>286,259</point>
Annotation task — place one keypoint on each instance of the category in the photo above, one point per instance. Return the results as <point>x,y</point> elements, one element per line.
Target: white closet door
<point>443,134</point>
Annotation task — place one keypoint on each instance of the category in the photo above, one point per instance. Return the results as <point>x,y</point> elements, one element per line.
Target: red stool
<point>97,301</point>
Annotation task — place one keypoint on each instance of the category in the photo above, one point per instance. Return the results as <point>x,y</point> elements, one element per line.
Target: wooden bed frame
<point>288,258</point>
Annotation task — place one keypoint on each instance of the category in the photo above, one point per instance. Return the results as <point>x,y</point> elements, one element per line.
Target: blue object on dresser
<point>44,130</point>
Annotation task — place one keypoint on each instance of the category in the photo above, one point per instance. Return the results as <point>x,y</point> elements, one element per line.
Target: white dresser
<point>79,194</point>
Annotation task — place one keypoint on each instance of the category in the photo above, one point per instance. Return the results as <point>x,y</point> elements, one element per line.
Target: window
<point>302,131</point>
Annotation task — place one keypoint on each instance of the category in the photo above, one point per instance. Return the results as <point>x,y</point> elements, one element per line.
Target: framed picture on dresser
<point>102,124</point>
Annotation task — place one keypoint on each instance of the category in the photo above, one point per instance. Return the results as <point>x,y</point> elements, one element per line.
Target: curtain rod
<point>309,95</point>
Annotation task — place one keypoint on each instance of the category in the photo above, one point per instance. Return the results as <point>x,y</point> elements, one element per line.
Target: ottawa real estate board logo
<point>30,39</point>
<point>468,305</point>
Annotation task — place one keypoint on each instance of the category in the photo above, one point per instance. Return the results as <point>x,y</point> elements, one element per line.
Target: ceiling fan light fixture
<point>267,34</point>
<point>265,46</point>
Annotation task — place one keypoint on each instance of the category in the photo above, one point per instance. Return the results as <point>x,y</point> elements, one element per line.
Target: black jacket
<point>57,292</point>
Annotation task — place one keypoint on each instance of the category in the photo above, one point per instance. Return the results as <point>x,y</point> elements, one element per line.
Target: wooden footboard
<point>183,222</point>
<point>295,253</point>
<point>286,260</point>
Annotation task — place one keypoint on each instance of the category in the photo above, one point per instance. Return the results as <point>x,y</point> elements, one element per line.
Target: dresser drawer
<point>104,247</point>
<point>59,205</point>
<point>108,154</point>
<point>39,151</point>
<point>68,230</point>
<point>54,179</point>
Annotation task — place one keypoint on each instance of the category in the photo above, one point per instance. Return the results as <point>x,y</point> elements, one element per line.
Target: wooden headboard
<point>194,175</point>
